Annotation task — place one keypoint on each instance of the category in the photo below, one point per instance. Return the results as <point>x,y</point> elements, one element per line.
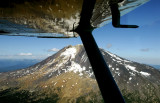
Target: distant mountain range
<point>156,66</point>
<point>7,65</point>
<point>67,77</point>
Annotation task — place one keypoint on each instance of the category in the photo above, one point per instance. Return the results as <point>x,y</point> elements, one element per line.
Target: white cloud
<point>53,50</point>
<point>145,50</point>
<point>25,54</point>
<point>109,46</point>
<point>48,54</point>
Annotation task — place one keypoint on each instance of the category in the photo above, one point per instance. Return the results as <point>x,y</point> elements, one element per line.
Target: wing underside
<point>53,18</point>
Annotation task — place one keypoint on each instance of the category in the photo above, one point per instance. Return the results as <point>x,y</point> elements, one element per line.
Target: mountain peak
<point>68,73</point>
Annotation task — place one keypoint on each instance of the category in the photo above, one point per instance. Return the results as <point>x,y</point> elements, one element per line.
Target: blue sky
<point>141,45</point>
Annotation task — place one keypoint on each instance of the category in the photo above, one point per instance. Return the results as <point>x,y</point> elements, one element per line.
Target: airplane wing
<point>53,18</point>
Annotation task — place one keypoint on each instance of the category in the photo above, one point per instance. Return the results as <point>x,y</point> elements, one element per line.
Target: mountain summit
<point>67,77</point>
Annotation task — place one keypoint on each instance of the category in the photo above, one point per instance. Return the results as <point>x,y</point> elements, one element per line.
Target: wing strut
<point>108,87</point>
<point>116,17</point>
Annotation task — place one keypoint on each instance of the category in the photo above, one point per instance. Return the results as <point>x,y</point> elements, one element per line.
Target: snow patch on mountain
<point>84,58</point>
<point>130,78</point>
<point>110,66</point>
<point>145,73</point>
<point>69,52</point>
<point>75,67</point>
<point>118,59</point>
<point>117,72</point>
<point>129,67</point>
<point>51,62</point>
<point>90,73</point>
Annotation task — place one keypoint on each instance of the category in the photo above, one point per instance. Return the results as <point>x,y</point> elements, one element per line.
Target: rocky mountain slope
<point>67,77</point>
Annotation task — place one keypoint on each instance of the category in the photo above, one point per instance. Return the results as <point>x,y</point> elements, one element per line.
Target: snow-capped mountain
<point>67,76</point>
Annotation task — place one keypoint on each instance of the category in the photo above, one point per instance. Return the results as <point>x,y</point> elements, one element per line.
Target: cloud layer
<point>25,54</point>
<point>109,46</point>
<point>53,50</point>
<point>145,50</point>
